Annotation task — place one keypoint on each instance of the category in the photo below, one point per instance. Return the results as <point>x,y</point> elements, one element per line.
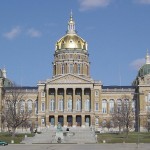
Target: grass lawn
<point>120,138</point>
<point>17,139</point>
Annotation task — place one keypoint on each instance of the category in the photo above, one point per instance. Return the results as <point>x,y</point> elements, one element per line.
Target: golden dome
<point>71,41</point>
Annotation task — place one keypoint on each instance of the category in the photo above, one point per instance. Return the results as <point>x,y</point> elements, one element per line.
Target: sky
<point>117,33</point>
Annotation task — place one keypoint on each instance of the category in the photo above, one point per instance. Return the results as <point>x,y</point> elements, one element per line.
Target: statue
<point>59,127</point>
<point>59,133</point>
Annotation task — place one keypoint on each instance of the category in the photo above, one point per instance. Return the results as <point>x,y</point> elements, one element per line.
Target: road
<point>75,147</point>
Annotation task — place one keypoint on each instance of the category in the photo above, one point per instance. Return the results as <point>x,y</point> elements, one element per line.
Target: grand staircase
<point>76,135</point>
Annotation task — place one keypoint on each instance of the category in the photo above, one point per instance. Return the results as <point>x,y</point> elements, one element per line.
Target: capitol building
<point>72,97</point>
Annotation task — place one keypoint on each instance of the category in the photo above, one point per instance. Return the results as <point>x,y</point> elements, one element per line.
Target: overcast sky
<point>117,32</point>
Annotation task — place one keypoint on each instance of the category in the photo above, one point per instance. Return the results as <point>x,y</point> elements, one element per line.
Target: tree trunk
<point>13,132</point>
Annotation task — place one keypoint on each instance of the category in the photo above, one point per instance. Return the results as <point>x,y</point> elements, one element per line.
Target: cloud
<point>143,1</point>
<point>33,33</point>
<point>91,4</point>
<point>13,33</point>
<point>136,64</point>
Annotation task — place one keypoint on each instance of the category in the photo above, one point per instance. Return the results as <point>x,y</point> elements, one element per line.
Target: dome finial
<point>71,14</point>
<point>147,57</point>
<point>71,25</point>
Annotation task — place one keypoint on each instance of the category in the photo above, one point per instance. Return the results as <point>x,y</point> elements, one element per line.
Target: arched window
<point>126,104</point>
<point>119,105</point>
<point>78,105</point>
<point>52,105</point>
<point>29,105</point>
<point>60,105</point>
<point>111,106</point>
<point>79,69</point>
<point>87,105</point>
<point>22,106</point>
<point>69,105</point>
<point>104,106</point>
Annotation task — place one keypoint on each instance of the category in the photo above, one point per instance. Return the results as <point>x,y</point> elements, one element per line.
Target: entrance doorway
<point>87,120</point>
<point>78,120</point>
<point>52,120</point>
<point>69,120</point>
<point>61,120</point>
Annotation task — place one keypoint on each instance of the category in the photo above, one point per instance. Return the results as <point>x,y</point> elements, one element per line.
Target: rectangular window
<point>52,105</point>
<point>96,106</point>
<point>43,107</point>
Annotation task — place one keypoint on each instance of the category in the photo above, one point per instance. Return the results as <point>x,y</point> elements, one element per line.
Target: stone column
<point>47,101</point>
<point>92,100</point>
<point>39,121</point>
<point>65,100</point>
<point>83,120</point>
<point>74,121</point>
<point>108,107</point>
<point>65,121</point>
<point>47,121</point>
<point>74,101</point>
<point>33,108</point>
<point>56,120</point>
<point>56,101</point>
<point>83,101</point>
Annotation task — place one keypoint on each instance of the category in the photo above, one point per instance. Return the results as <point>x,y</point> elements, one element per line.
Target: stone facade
<point>72,98</point>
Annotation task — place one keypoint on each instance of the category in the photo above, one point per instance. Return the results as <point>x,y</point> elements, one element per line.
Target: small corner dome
<point>144,70</point>
<point>71,41</point>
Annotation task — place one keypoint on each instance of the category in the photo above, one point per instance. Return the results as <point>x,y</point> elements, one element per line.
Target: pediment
<point>69,78</point>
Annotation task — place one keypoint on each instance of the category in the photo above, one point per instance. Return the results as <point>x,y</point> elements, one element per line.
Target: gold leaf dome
<point>71,41</point>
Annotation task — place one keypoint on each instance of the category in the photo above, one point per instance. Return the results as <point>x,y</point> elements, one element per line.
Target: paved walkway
<point>75,147</point>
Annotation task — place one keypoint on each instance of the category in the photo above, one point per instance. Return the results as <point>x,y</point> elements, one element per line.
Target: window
<point>29,106</point>
<point>79,69</point>
<point>87,105</point>
<point>22,106</point>
<point>126,104</point>
<point>69,105</point>
<point>63,69</point>
<point>111,106</point>
<point>119,105</point>
<point>60,105</point>
<point>104,106</point>
<point>78,105</point>
<point>96,106</point>
<point>52,105</point>
<point>43,107</point>
<point>71,68</point>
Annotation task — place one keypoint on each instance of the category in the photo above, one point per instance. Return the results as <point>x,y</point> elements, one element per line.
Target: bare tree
<point>124,115</point>
<point>14,111</point>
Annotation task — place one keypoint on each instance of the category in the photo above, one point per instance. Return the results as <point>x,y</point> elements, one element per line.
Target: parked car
<point>3,143</point>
